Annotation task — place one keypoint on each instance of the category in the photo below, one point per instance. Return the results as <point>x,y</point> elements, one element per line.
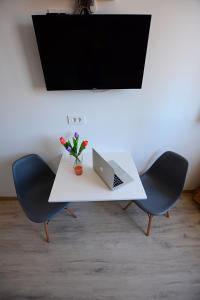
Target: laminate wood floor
<point>102,255</point>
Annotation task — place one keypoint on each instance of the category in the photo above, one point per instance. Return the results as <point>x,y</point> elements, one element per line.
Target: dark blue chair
<point>33,181</point>
<point>163,183</point>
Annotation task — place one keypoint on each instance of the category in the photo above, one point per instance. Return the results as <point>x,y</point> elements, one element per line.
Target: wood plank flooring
<point>102,255</point>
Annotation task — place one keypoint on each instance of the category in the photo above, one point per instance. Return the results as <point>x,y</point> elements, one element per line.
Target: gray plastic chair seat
<point>36,204</point>
<point>33,182</point>
<point>159,196</point>
<point>163,183</point>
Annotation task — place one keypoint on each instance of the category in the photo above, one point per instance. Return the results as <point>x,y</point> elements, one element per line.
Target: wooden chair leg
<point>71,212</point>
<point>167,215</point>
<point>127,205</point>
<point>46,231</point>
<point>149,224</point>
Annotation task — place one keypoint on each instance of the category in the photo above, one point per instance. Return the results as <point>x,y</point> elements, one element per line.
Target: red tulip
<point>85,143</point>
<point>62,140</point>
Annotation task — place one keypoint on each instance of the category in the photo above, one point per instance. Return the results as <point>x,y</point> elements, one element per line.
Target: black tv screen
<point>81,52</point>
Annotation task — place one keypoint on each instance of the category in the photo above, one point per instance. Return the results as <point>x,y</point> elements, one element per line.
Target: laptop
<point>110,172</point>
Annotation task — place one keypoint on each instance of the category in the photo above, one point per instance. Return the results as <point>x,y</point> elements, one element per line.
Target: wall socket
<point>76,119</point>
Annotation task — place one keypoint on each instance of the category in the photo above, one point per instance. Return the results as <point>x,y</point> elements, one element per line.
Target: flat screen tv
<point>80,52</point>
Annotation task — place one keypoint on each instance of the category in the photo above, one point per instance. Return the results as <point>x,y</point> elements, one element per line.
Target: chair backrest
<point>27,171</point>
<point>170,168</point>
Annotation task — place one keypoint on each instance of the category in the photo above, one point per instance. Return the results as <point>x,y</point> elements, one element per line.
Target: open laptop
<point>110,172</point>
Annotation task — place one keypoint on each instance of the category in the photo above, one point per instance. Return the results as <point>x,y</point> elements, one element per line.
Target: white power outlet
<point>76,119</point>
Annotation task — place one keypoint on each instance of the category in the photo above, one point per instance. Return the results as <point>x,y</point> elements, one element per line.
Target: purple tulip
<point>76,135</point>
<point>69,149</point>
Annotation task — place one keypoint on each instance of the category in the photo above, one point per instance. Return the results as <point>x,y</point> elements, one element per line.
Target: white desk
<point>69,187</point>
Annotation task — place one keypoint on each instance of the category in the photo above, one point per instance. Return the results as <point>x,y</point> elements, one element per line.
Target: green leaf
<point>75,142</point>
<point>82,147</point>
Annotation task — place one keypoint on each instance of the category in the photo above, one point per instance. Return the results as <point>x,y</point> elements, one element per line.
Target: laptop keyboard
<point>117,181</point>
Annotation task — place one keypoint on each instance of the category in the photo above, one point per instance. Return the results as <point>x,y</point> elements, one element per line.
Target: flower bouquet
<point>75,149</point>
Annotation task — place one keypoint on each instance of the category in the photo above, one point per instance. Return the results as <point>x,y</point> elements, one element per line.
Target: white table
<point>69,187</point>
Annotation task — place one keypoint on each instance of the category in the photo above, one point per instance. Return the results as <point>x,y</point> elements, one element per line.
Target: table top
<point>68,187</point>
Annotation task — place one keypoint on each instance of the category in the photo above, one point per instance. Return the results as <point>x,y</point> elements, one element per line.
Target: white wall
<point>164,114</point>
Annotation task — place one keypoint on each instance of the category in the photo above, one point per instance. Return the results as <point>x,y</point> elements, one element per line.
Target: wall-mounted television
<point>82,52</point>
